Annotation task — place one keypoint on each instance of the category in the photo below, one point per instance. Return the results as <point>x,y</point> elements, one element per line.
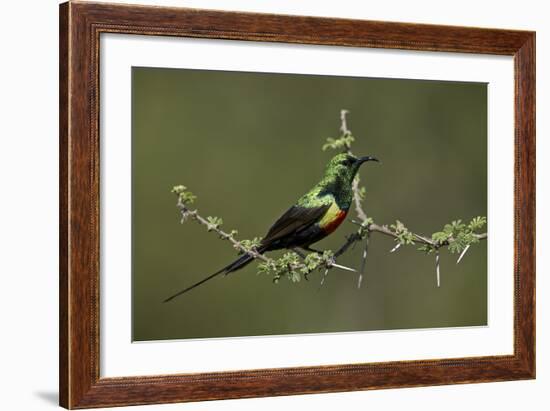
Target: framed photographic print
<point>257,205</point>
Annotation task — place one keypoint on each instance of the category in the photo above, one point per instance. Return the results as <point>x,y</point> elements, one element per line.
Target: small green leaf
<point>428,249</point>
<point>213,223</point>
<point>404,236</point>
<point>477,223</point>
<point>186,197</point>
<point>440,236</point>
<point>343,141</point>
<point>251,244</point>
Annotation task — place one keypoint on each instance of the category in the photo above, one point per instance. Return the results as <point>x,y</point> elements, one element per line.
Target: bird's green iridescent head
<point>338,179</point>
<point>344,166</point>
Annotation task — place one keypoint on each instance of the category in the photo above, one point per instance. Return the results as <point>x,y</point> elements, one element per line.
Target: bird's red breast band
<point>335,220</point>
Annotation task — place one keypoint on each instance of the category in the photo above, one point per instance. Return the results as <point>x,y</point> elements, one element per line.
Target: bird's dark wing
<point>295,219</point>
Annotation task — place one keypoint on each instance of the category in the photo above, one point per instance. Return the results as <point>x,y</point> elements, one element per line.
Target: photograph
<point>268,204</point>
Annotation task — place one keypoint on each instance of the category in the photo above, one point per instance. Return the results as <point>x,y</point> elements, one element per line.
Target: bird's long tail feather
<point>239,263</point>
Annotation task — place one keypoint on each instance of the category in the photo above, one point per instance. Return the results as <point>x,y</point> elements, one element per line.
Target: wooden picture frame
<point>80,27</point>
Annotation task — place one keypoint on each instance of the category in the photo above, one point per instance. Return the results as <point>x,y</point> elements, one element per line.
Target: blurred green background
<point>249,145</point>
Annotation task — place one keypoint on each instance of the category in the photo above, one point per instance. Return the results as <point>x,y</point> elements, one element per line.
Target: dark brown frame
<point>80,27</point>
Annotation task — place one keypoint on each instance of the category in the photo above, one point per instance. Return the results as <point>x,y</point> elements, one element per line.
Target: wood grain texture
<point>63,205</point>
<point>525,203</point>
<point>80,27</point>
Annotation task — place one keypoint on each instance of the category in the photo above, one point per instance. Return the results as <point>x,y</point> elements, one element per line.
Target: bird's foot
<point>300,254</point>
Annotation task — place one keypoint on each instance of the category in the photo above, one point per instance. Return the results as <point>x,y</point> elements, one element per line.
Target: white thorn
<point>395,248</point>
<point>463,253</point>
<point>437,269</point>
<point>363,262</point>
<point>324,276</point>
<point>343,267</point>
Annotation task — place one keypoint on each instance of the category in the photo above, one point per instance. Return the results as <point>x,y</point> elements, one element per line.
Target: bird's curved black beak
<point>362,160</point>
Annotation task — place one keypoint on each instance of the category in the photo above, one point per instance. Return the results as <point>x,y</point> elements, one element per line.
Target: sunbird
<point>315,215</point>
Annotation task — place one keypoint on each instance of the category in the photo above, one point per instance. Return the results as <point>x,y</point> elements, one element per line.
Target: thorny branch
<point>399,232</point>
<point>289,262</point>
<point>457,236</point>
